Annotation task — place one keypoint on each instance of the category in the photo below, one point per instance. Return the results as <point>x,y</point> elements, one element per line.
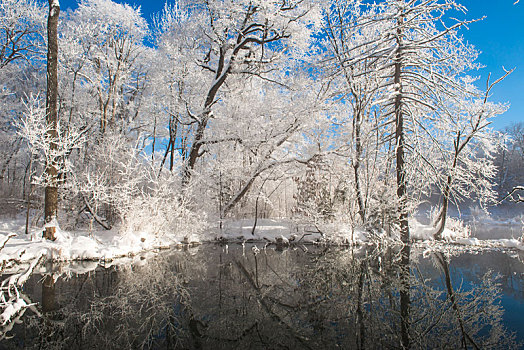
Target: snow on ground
<point>79,245</point>
<point>459,234</point>
<point>286,231</point>
<point>108,245</point>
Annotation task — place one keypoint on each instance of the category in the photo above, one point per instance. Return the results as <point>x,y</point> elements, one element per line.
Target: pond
<point>255,297</point>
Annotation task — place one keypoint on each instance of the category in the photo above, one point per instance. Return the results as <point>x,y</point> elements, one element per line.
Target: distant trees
<point>510,159</point>
<point>22,23</point>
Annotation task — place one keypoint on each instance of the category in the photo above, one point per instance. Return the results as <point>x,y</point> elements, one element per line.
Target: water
<point>235,297</point>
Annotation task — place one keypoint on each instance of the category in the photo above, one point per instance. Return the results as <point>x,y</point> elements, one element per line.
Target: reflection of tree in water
<point>268,299</point>
<point>437,317</point>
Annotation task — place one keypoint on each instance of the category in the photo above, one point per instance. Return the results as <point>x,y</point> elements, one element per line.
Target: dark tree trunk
<point>356,166</point>
<point>48,295</point>
<point>194,153</point>
<point>441,220</point>
<point>399,138</point>
<point>220,77</point>
<point>51,171</point>
<point>361,330</point>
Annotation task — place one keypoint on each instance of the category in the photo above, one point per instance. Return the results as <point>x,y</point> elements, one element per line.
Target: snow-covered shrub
<point>121,186</point>
<point>161,210</point>
<point>455,228</point>
<point>115,174</point>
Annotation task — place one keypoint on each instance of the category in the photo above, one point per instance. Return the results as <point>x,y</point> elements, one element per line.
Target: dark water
<point>213,297</point>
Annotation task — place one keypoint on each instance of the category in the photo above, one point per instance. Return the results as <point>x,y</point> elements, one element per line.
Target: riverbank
<point>104,245</point>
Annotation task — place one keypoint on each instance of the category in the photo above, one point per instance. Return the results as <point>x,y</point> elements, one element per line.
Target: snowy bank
<point>287,232</point>
<point>109,245</point>
<point>81,245</point>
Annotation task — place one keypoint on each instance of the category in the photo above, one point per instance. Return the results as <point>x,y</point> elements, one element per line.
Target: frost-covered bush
<point>163,209</point>
<point>121,186</point>
<point>457,229</point>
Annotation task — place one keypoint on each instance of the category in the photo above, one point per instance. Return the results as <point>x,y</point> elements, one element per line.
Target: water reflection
<point>251,298</point>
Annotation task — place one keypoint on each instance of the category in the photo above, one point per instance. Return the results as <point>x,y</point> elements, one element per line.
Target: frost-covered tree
<point>354,89</point>
<point>467,148</point>
<point>419,62</point>
<point>228,40</point>
<point>22,46</point>
<point>21,23</point>
<point>104,52</point>
<point>105,85</point>
<point>423,58</point>
<point>347,104</point>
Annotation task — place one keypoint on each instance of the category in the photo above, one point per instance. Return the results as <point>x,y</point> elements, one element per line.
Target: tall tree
<point>422,60</point>
<point>51,167</point>
<point>357,85</point>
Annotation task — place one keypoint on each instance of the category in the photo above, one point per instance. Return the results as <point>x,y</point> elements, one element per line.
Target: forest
<point>318,112</point>
<point>256,174</point>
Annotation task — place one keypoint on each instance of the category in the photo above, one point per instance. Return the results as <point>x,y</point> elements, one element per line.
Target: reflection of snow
<point>13,302</point>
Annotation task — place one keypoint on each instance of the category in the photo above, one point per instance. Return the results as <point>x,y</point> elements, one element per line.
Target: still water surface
<point>235,297</point>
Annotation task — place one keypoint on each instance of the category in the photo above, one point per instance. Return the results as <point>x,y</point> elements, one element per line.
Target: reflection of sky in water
<point>324,298</point>
<point>468,269</point>
<point>513,315</point>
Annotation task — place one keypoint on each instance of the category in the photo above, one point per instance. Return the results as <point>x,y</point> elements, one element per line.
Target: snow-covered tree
<point>228,40</point>
<point>405,61</point>
<point>467,148</point>
<point>21,24</point>
<point>22,48</point>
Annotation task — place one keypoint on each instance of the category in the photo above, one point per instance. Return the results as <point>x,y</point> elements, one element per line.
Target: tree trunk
<point>441,220</point>
<point>51,171</point>
<point>194,153</point>
<point>399,138</point>
<point>220,77</point>
<point>356,166</point>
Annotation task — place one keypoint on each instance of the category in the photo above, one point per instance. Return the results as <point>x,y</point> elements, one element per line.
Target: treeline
<point>317,110</point>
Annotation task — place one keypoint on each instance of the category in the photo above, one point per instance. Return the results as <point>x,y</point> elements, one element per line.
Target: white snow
<point>109,245</point>
<point>80,245</point>
<point>286,232</point>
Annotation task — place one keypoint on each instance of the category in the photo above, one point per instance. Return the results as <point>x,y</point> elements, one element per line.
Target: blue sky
<point>499,37</point>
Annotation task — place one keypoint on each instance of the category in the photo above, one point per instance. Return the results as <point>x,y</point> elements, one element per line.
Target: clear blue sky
<point>499,37</point>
